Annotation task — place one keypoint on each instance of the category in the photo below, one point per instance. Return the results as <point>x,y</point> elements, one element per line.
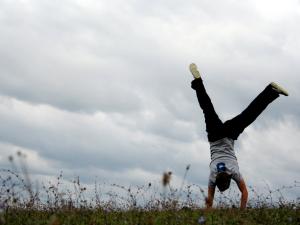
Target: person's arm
<point>210,196</point>
<point>243,189</point>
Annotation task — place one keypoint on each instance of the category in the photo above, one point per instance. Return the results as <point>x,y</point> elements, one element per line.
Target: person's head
<point>223,181</point>
<point>223,178</point>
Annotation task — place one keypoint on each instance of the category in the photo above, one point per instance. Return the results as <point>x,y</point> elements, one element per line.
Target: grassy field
<point>139,216</point>
<point>62,202</point>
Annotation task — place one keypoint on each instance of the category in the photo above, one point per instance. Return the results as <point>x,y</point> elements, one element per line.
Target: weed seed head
<point>166,178</point>
<point>188,167</point>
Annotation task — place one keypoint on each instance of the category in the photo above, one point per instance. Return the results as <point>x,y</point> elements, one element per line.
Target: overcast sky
<point>101,88</point>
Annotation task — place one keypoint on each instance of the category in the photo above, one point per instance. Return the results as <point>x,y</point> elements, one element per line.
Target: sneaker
<point>194,70</point>
<point>279,89</point>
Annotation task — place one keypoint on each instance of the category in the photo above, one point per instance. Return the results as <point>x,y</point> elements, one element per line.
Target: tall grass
<point>70,202</point>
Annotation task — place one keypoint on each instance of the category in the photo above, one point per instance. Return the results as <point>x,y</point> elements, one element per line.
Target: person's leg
<point>234,127</point>
<point>214,126</point>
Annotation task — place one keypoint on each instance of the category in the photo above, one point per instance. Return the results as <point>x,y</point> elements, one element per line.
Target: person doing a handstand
<point>221,136</point>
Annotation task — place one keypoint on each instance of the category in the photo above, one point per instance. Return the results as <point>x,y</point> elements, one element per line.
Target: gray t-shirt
<point>223,151</point>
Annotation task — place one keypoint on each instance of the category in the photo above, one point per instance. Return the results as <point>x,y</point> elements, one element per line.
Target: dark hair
<point>223,181</point>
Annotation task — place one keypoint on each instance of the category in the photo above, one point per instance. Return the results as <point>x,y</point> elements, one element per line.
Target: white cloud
<point>270,153</point>
<point>14,157</point>
<point>277,10</point>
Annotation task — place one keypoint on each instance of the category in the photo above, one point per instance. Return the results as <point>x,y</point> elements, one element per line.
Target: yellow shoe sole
<point>279,89</point>
<point>194,70</point>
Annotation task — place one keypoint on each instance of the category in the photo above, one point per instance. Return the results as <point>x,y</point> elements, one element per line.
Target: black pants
<point>215,128</point>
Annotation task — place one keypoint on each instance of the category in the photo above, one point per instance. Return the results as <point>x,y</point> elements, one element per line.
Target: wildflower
<point>201,220</point>
<point>166,178</point>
